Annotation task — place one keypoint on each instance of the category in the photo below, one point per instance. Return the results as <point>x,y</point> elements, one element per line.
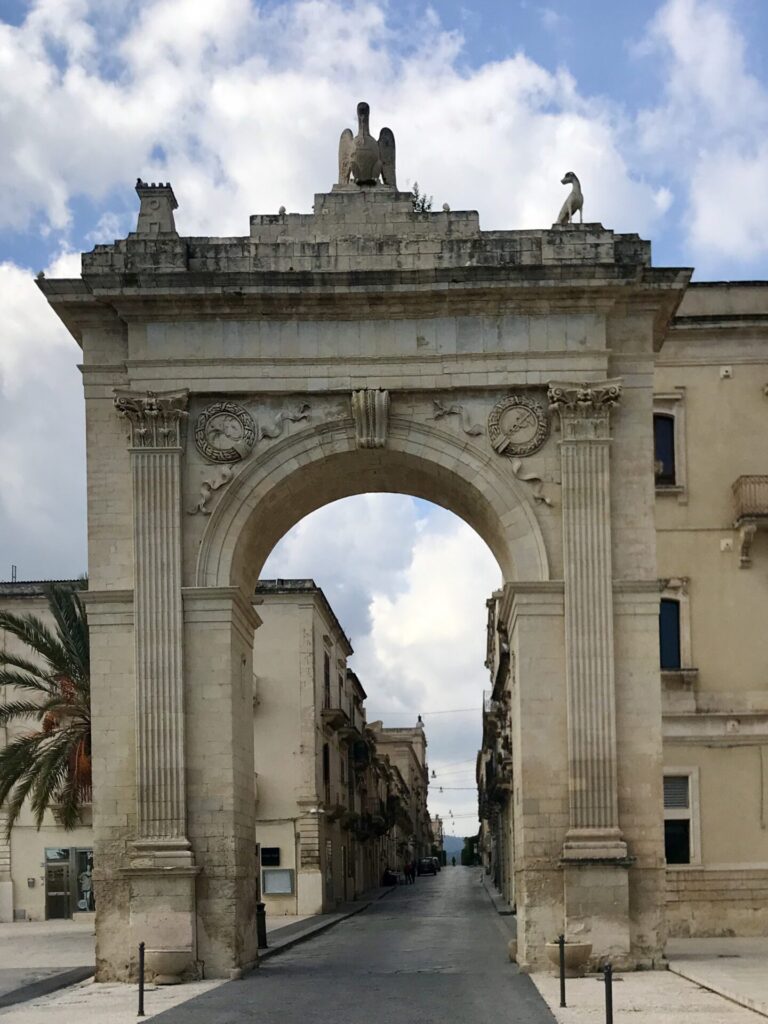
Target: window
<point>326,680</point>
<point>327,773</point>
<point>669,633</point>
<point>681,842</point>
<point>341,691</point>
<point>669,443</point>
<point>664,449</point>
<point>277,881</point>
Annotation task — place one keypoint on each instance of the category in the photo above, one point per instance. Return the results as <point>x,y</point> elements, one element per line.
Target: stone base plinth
<point>596,898</point>
<point>163,917</point>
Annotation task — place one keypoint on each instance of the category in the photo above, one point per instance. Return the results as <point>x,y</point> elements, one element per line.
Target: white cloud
<point>409,584</point>
<point>246,108</point>
<point>42,451</point>
<point>709,129</point>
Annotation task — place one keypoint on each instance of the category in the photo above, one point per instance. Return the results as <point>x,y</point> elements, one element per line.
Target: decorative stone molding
<point>440,410</point>
<point>370,411</point>
<point>225,432</point>
<point>157,418</point>
<point>301,412</point>
<point>518,426</point>
<point>536,482</point>
<point>207,489</point>
<point>584,411</point>
<point>585,408</point>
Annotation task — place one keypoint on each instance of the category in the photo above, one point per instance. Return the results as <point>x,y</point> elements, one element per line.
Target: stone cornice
<point>113,299</point>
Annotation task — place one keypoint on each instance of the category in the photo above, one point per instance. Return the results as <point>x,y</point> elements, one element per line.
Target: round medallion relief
<point>518,426</point>
<point>225,432</point>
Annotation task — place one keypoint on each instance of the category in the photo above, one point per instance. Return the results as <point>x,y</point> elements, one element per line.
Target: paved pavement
<point>426,954</point>
<point>40,956</point>
<point>733,967</point>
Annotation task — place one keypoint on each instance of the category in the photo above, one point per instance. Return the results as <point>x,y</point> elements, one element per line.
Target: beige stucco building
<point>336,803</point>
<point>711,511</point>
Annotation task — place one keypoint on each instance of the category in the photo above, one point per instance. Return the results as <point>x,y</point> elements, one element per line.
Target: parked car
<point>438,865</point>
<point>427,866</point>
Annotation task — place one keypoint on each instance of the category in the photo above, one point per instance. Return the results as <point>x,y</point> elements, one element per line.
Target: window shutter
<point>676,791</point>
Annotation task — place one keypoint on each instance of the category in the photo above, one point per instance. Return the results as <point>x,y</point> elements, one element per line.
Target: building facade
<point>333,809</point>
<point>711,511</point>
<point>46,873</point>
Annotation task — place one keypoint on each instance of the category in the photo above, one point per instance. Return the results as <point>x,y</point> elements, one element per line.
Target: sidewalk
<point>732,967</point>
<point>710,981</point>
<point>38,957</point>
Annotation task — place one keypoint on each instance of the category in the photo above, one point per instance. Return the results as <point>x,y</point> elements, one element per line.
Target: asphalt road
<point>430,953</point>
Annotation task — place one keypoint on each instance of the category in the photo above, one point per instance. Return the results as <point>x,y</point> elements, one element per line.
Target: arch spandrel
<point>316,466</point>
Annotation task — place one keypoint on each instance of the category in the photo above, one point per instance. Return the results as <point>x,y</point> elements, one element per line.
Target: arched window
<point>669,633</point>
<point>664,449</point>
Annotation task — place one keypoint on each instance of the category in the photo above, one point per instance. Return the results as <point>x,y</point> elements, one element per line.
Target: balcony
<point>335,718</point>
<point>750,506</point>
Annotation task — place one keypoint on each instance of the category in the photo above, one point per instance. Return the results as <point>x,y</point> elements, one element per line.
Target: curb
<point>279,946</point>
<point>738,1000</point>
<point>45,986</point>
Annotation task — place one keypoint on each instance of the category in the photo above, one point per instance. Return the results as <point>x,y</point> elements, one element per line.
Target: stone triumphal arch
<point>235,384</point>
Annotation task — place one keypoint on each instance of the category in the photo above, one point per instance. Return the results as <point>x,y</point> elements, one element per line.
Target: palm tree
<point>52,764</point>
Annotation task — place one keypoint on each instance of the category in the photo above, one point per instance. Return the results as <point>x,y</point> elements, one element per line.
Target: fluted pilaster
<point>584,411</point>
<point>157,431</point>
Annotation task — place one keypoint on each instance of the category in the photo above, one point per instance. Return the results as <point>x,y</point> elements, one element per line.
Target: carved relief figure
<point>573,203</point>
<point>362,158</point>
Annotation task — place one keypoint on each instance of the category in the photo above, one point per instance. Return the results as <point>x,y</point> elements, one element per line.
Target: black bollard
<point>561,944</point>
<point>608,974</point>
<point>261,925</point>
<point>141,980</point>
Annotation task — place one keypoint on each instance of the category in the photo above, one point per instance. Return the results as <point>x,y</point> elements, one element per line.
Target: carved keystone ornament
<point>518,426</point>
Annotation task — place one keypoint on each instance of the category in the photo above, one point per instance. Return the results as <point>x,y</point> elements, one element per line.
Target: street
<point>435,951</point>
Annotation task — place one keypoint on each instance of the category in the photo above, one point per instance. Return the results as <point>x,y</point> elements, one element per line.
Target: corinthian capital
<point>156,418</point>
<point>584,407</point>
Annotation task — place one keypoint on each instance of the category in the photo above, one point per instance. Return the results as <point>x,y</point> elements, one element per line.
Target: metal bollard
<point>608,975</point>
<point>141,980</point>
<point>261,925</point>
<point>561,944</point>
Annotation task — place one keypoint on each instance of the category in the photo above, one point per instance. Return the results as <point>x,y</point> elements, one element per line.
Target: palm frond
<point>17,774</point>
<point>21,709</point>
<point>22,681</point>
<point>10,660</point>
<point>51,771</point>
<point>69,615</point>
<point>35,634</point>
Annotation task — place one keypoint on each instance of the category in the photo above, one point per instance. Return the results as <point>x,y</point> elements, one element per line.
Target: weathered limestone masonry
<point>365,347</point>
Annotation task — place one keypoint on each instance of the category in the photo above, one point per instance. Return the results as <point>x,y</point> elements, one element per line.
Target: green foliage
<point>51,765</point>
<point>422,203</point>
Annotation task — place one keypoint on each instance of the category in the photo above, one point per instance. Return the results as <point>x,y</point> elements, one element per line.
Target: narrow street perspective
<point>430,952</point>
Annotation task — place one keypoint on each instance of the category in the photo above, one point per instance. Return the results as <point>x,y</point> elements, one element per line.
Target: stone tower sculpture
<point>364,160</point>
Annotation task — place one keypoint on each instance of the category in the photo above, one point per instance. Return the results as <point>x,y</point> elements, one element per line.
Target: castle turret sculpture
<point>362,158</point>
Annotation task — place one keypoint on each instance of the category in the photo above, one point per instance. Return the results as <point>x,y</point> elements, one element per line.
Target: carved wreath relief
<point>225,432</point>
<point>518,426</point>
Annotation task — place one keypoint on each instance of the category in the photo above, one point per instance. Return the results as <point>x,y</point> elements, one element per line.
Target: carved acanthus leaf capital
<point>585,407</point>
<point>157,419</point>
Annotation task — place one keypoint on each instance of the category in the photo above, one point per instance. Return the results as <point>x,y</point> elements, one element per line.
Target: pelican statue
<point>362,158</point>
<point>574,202</point>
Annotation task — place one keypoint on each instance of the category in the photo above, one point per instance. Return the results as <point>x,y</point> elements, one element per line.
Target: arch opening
<point>307,471</point>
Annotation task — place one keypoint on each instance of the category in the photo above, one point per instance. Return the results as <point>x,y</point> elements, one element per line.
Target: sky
<point>661,108</point>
